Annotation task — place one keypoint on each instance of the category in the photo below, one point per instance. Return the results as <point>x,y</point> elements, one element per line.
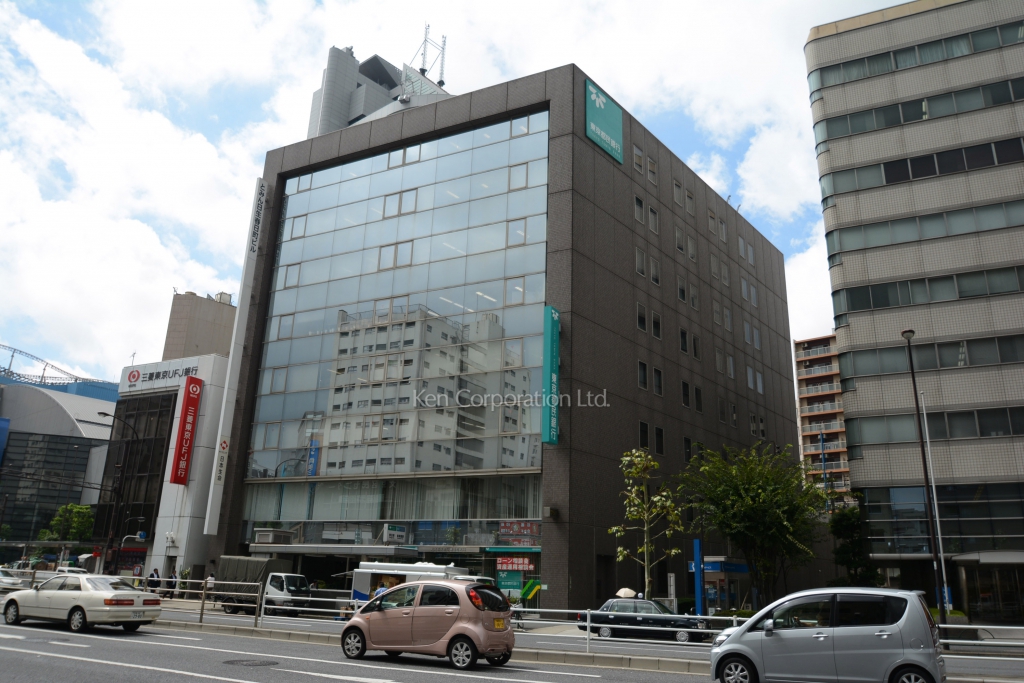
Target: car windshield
<point>6,574</point>
<point>296,583</point>
<point>662,609</point>
<point>111,583</point>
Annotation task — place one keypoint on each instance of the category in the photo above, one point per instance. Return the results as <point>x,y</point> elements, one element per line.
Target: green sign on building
<point>604,121</point>
<point>510,581</point>
<point>549,414</point>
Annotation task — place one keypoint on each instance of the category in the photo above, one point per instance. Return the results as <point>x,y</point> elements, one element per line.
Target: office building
<point>918,122</point>
<point>199,326</point>
<point>408,275</point>
<point>822,445</point>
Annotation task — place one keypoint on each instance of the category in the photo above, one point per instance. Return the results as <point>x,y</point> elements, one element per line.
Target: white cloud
<point>712,169</point>
<point>809,289</point>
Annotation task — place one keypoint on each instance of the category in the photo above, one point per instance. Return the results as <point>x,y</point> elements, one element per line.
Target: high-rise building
<point>351,90</point>
<point>199,326</point>
<point>822,444</point>
<point>409,275</point>
<point>918,126</point>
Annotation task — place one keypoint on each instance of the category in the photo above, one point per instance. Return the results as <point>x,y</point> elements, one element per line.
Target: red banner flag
<point>187,421</point>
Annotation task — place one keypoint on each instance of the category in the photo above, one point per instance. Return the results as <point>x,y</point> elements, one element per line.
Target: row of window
<point>964,424</point>
<point>927,290</point>
<point>751,335</point>
<point>926,53</point>
<point>426,151</point>
<point>922,109</point>
<point>926,166</point>
<point>954,354</point>
<point>961,222</point>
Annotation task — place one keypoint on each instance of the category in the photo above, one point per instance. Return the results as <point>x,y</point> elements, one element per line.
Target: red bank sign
<point>186,430</point>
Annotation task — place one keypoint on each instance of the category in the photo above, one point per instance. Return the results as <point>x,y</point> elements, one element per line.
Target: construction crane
<point>58,375</point>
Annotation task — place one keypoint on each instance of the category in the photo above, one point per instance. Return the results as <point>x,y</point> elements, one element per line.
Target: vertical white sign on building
<point>227,411</point>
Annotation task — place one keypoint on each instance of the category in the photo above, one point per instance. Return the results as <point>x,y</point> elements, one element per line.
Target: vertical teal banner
<point>549,430</point>
<point>604,121</point>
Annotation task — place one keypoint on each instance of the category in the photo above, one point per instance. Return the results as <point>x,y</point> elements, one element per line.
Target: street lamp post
<point>936,559</point>
<point>118,488</point>
<point>935,501</point>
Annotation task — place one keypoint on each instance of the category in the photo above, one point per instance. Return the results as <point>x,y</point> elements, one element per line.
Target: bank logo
<point>194,389</point>
<point>133,376</point>
<point>598,97</point>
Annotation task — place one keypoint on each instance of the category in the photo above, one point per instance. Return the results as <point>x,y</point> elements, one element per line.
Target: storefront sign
<point>187,421</point>
<point>549,416</point>
<point>396,533</point>
<point>515,564</point>
<point>604,121</point>
<point>313,462</point>
<point>519,528</point>
<point>510,580</point>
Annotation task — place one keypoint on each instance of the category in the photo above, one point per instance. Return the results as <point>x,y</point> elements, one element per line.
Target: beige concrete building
<point>820,413</point>
<point>199,326</point>
<point>918,120</point>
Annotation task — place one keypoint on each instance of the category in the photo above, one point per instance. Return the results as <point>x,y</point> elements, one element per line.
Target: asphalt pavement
<point>36,651</point>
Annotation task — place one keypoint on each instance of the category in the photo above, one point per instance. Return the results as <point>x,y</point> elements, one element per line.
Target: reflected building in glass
<point>389,398</point>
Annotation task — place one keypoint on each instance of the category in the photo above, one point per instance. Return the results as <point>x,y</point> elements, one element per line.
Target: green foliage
<point>71,522</point>
<point>654,512</point>
<point>851,550</point>
<point>6,532</point>
<point>452,535</point>
<point>758,500</point>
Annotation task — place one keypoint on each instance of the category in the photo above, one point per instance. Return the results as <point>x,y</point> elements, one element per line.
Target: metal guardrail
<point>977,647</point>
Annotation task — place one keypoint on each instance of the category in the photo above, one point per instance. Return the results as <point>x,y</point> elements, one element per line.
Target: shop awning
<point>991,557</point>
<point>333,549</point>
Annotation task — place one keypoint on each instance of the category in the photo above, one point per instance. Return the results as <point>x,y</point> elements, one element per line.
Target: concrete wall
<point>198,326</point>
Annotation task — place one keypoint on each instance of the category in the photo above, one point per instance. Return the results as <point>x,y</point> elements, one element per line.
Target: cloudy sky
<point>131,133</point>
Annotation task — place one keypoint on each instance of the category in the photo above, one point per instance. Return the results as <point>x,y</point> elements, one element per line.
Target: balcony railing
<point>820,388</point>
<point>816,468</point>
<point>821,407</point>
<point>820,351</point>
<point>822,427</point>
<point>819,370</point>
<point>829,446</point>
<point>840,485</point>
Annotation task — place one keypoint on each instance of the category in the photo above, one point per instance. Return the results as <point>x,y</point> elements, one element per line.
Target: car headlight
<point>719,639</point>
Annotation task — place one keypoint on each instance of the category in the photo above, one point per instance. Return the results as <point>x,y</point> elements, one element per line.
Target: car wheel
<point>737,670</point>
<point>77,621</point>
<point>11,614</point>
<point>229,606</point>
<point>462,653</point>
<point>393,654</point>
<point>910,674</point>
<point>682,636</point>
<point>353,644</point>
<point>132,627</point>
<point>500,661</point>
<point>604,632</point>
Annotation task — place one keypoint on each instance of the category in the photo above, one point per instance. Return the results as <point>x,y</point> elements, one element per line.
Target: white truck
<point>282,590</point>
<point>370,575</point>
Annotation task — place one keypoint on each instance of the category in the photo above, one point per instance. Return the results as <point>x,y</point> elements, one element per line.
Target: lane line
<point>3,635</point>
<point>538,671</point>
<point>55,642</point>
<point>339,678</point>
<point>161,635</point>
<point>624,647</point>
<point>128,666</point>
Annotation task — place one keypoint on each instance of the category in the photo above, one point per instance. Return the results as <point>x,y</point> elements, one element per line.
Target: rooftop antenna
<point>426,40</point>
<point>727,199</point>
<point>444,48</point>
<point>421,54</point>
<point>133,357</point>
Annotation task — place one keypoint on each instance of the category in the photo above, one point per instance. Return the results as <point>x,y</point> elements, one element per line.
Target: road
<point>33,652</point>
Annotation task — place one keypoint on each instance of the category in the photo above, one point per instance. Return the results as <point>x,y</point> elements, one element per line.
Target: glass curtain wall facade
<point>403,345</point>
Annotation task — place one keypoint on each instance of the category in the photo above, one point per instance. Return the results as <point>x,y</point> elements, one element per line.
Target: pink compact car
<point>459,620</point>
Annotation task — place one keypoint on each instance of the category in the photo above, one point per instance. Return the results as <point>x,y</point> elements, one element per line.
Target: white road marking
<point>57,642</point>
<point>161,635</point>
<point>538,671</point>
<point>3,635</point>
<point>128,666</point>
<point>627,647</point>
<point>339,678</point>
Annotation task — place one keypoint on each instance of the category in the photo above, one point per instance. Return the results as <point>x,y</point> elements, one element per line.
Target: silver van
<point>834,635</point>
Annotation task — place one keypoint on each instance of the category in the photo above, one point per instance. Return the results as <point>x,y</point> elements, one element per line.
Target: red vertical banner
<point>187,421</point>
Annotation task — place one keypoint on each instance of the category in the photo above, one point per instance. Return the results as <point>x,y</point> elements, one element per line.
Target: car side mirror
<point>35,588</point>
<point>769,626</point>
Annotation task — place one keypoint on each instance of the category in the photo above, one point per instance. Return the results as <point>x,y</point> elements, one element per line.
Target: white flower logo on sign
<point>599,98</point>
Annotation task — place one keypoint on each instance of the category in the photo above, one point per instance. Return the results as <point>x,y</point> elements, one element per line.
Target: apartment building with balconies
<point>822,448</point>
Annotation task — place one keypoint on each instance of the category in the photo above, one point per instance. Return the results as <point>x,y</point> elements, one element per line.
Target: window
<point>750,377</point>
<point>681,288</point>
<point>727,317</point>
<point>711,222</point>
<point>677,193</point>
<point>757,339</point>
<point>683,345</point>
<point>717,308</point>
<point>719,360</point>
<point>803,613</point>
<point>657,382</point>
<point>760,383</point>
<point>753,295</point>
<point>721,230</point>
<point>687,449</point>
<point>725,273</point>
<point>745,289</point>
<point>680,241</point>
<point>868,610</point>
<point>655,271</point>
<point>689,203</point>
<point>753,424</point>
<point>733,420</point>
<point>641,262</point>
<point>652,170</point>
<point>644,436</point>
<point>750,253</point>
<point>641,317</point>
<point>638,159</point>
<point>659,441</point>
<point>730,365</point>
<point>723,412</point>
<point>691,248</point>
<point>685,390</point>
<point>438,596</point>
<point>714,265</point>
<point>698,400</point>
<point>641,377</point>
<point>653,224</point>
<point>742,245</point>
<point>694,301</point>
<point>696,347</point>
<point>746,331</point>
<point>638,209</point>
<point>656,325</point>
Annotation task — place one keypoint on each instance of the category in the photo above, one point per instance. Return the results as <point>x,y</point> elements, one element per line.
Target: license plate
<point>137,615</point>
<point>499,623</point>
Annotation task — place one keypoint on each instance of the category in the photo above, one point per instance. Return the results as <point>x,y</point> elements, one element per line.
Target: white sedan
<point>82,601</point>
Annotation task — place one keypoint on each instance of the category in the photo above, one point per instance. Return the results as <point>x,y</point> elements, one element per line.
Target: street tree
<point>6,532</point>
<point>851,551</point>
<point>757,499</point>
<point>71,522</point>
<point>652,513</point>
